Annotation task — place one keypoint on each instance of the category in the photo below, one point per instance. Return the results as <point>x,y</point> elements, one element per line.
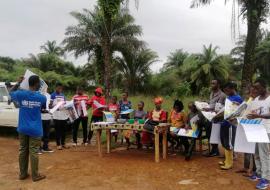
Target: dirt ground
<point>81,168</point>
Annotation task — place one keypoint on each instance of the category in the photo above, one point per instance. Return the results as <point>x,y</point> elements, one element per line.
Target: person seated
<point>178,120</point>
<point>156,116</point>
<point>113,107</point>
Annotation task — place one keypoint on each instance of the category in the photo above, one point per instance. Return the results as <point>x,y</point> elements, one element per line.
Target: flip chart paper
<point>215,134</point>
<point>84,109</point>
<point>241,142</point>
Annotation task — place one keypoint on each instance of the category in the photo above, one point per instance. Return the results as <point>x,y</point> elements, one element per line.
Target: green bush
<point>183,89</point>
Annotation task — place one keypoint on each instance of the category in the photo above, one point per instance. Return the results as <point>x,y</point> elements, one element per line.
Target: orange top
<point>178,120</point>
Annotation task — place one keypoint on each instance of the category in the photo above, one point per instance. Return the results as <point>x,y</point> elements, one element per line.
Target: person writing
<point>30,103</point>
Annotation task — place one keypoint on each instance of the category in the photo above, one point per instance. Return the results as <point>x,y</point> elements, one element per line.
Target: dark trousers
<point>227,135</point>
<point>93,119</point>
<point>76,124</point>
<point>60,130</point>
<point>46,134</point>
<point>185,143</point>
<point>248,158</point>
<point>208,129</point>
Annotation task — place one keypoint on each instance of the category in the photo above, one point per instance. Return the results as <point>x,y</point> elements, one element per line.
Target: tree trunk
<point>254,13</point>
<point>106,48</point>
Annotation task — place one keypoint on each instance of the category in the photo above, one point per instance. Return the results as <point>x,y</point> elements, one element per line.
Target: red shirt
<point>114,108</point>
<point>160,116</point>
<point>101,100</point>
<point>77,103</point>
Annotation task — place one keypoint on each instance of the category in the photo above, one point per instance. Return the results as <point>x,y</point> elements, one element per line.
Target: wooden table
<point>161,128</point>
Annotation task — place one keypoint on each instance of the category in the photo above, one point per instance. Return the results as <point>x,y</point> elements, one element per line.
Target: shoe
<point>59,148</point>
<point>212,154</point>
<point>221,163</point>
<point>85,144</point>
<point>24,177</point>
<point>39,177</point>
<point>74,144</point>
<point>187,158</point>
<point>228,164</point>
<point>263,184</point>
<point>39,152</point>
<point>254,177</point>
<point>47,150</point>
<point>65,147</point>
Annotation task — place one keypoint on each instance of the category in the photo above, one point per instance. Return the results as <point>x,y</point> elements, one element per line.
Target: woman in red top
<point>97,102</point>
<point>78,99</point>
<point>157,115</point>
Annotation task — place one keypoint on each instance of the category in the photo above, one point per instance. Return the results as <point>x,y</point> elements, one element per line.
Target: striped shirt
<point>77,103</point>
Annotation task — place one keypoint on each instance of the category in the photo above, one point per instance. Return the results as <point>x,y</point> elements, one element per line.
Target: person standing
<point>261,110</point>
<point>59,117</point>
<point>228,128</point>
<point>78,99</point>
<point>30,103</point>
<point>98,103</point>
<point>216,97</point>
<point>46,125</point>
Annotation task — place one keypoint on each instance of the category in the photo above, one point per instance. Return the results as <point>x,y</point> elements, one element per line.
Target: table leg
<point>99,143</point>
<point>108,138</point>
<point>165,144</point>
<point>156,144</point>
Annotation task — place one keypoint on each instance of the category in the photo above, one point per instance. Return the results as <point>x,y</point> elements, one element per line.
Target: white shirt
<point>47,116</point>
<point>262,107</point>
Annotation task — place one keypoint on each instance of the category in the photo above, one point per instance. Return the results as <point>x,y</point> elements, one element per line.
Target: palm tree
<point>200,69</point>
<point>87,37</point>
<point>134,67</point>
<point>50,47</point>
<point>255,11</point>
<point>175,59</point>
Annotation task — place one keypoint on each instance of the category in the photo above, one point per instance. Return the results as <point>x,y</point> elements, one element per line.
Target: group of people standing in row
<point>34,125</point>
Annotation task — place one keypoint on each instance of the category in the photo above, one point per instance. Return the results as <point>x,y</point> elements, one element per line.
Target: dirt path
<point>81,168</point>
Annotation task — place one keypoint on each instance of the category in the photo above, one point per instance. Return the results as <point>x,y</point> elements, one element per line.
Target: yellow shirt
<point>178,119</point>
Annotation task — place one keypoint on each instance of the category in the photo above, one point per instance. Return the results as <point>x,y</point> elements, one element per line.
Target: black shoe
<point>39,177</point>
<point>213,154</point>
<point>47,150</point>
<point>24,177</point>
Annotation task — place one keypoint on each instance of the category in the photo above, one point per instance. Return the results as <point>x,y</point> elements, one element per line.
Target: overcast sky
<point>167,25</point>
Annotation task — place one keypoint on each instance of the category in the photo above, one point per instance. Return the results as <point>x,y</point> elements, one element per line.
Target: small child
<point>113,107</point>
<point>178,119</point>
<point>139,114</point>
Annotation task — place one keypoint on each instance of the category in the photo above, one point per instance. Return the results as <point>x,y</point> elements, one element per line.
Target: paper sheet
<point>98,105</point>
<point>209,115</point>
<point>201,105</point>
<point>71,111</point>
<point>104,123</point>
<point>241,143</point>
<point>256,133</point>
<point>126,112</point>
<point>84,109</point>
<point>57,106</point>
<point>25,85</point>
<point>193,132</point>
<point>230,108</point>
<point>238,112</point>
<point>109,117</point>
<point>215,134</point>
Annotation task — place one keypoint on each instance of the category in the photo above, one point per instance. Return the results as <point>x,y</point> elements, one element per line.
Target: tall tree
<point>134,67</point>
<point>200,69</point>
<point>175,59</point>
<point>255,12</point>
<point>87,37</point>
<point>50,47</point>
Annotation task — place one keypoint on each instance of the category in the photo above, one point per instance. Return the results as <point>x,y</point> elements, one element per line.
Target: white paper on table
<point>84,109</point>
<point>201,105</point>
<point>215,134</point>
<point>25,84</point>
<point>109,116</point>
<point>126,112</point>
<point>104,123</point>
<point>188,133</point>
<point>256,133</point>
<point>57,106</point>
<point>241,143</point>
<point>98,105</point>
<point>114,131</point>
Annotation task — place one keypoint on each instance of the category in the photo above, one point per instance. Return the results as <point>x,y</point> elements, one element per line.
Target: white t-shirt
<point>47,116</point>
<point>262,107</point>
